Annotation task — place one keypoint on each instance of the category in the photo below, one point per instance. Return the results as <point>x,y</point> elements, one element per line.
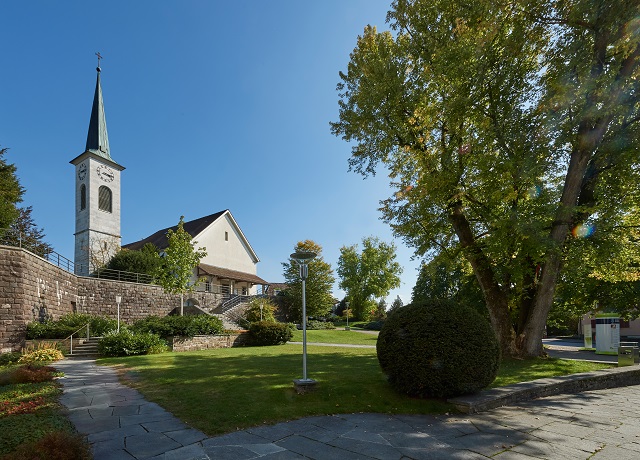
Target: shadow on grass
<point>222,390</point>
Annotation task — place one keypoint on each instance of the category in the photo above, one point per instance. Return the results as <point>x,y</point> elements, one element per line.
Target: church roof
<point>97,137</point>
<point>193,228</point>
<point>225,273</point>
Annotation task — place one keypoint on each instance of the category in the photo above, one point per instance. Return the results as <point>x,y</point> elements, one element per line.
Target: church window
<point>226,236</point>
<point>104,199</point>
<point>83,197</point>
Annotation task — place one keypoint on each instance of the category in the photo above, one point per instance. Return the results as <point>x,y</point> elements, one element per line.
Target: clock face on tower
<point>82,171</point>
<point>105,173</point>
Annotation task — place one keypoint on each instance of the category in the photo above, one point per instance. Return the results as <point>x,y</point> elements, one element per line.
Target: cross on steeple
<point>99,57</point>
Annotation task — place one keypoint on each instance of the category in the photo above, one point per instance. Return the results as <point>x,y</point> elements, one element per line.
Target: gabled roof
<point>224,273</point>
<point>193,228</point>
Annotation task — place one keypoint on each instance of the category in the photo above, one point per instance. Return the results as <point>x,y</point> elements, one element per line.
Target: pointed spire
<point>97,139</point>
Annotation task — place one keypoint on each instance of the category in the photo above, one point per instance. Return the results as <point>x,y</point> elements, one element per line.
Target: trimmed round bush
<point>127,343</point>
<point>269,333</point>
<point>438,349</point>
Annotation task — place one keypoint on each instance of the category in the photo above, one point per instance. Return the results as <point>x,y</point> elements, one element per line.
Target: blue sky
<point>210,105</point>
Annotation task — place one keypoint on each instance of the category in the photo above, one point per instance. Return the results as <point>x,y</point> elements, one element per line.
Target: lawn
<point>28,411</point>
<point>523,370</point>
<point>219,391</point>
<point>337,336</point>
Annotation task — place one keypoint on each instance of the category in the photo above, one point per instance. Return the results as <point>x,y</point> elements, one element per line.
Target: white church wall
<point>225,247</point>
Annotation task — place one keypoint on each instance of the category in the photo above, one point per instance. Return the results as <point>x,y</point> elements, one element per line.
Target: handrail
<point>71,337</point>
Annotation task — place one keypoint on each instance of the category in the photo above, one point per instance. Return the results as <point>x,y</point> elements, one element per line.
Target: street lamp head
<point>303,257</point>
<point>118,298</point>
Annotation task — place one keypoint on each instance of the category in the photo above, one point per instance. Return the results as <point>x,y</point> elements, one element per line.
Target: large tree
<point>10,192</point>
<point>368,274</point>
<point>505,125</point>
<point>176,272</point>
<point>319,284</point>
<point>24,232</point>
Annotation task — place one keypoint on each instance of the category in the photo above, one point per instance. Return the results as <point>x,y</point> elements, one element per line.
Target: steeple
<point>97,138</point>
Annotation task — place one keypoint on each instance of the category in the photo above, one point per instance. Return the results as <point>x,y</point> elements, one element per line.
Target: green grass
<point>218,391</point>
<point>524,370</point>
<point>43,413</point>
<point>337,336</point>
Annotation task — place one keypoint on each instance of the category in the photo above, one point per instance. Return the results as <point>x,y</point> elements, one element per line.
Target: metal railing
<point>118,275</point>
<point>16,238</point>
<point>71,337</point>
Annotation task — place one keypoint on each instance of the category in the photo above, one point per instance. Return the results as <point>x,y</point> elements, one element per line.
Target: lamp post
<point>302,258</point>
<point>118,300</point>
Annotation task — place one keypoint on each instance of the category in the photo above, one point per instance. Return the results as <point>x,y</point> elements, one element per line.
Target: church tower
<point>97,189</point>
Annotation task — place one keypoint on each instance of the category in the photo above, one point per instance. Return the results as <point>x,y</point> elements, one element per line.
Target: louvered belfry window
<point>83,197</point>
<point>104,198</point>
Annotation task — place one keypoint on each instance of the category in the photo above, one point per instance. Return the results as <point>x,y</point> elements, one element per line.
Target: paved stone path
<point>121,424</point>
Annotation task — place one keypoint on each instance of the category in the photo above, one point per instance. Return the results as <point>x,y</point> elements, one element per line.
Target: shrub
<point>9,358</point>
<point>32,374</point>
<point>438,349</point>
<point>59,445</point>
<point>373,326</point>
<point>270,333</point>
<point>128,343</point>
<point>252,313</point>
<point>320,325</point>
<point>183,326</point>
<point>68,324</point>
<point>44,353</point>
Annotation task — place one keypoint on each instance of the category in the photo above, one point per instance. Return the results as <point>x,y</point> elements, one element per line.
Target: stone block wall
<point>205,342</point>
<point>32,288</point>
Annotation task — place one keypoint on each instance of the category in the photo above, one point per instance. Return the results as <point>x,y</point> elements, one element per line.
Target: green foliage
<point>9,358</point>
<point>395,306</point>
<point>368,274</point>
<point>438,349</point>
<point>29,411</point>
<point>265,333</point>
<point>178,326</point>
<point>10,192</point>
<point>503,132</point>
<point>147,260</point>
<point>447,279</point>
<point>253,312</point>
<point>68,324</point>
<point>129,343</point>
<point>319,285</point>
<point>41,355</point>
<point>180,258</point>
<point>318,325</point>
<point>25,233</point>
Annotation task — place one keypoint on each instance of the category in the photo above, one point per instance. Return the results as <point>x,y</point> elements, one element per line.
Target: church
<point>230,266</point>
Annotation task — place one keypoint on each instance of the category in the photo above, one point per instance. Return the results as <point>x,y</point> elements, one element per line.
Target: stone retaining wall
<point>205,342</point>
<point>32,288</point>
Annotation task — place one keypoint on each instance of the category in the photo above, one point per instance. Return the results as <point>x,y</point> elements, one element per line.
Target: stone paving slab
<point>121,425</point>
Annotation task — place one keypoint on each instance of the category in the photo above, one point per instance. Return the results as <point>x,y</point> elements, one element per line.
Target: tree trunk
<point>496,299</point>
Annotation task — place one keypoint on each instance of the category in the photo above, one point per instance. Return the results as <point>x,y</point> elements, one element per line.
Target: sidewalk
<point>121,424</point>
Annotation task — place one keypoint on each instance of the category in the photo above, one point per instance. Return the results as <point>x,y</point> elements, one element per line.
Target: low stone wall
<point>525,391</point>
<point>206,342</point>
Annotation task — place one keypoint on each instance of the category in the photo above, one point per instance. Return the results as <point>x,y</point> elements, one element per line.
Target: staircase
<point>85,348</point>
